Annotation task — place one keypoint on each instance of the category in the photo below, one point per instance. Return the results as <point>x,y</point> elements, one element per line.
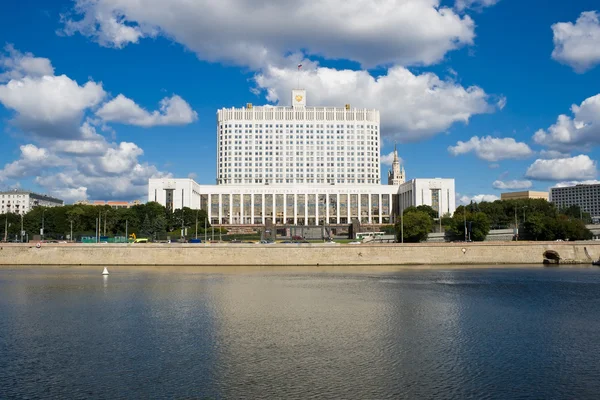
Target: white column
<point>262,195</point>
<point>274,216</point>
<point>220,208</point>
<point>305,208</point>
<point>326,209</point>
<point>284,208</point>
<point>316,209</point>
<point>359,209</point>
<point>252,209</point>
<point>337,199</point>
<point>370,210</point>
<point>295,209</point>
<point>242,216</point>
<point>348,208</point>
<point>380,209</point>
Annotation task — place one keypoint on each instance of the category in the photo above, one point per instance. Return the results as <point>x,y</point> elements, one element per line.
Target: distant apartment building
<point>22,201</point>
<point>524,195</point>
<point>113,204</point>
<point>587,197</point>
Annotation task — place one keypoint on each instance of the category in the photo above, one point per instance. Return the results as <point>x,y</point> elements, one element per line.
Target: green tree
<point>433,214</point>
<point>417,226</point>
<point>480,226</point>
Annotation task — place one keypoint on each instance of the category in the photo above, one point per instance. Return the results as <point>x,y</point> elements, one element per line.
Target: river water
<point>233,333</point>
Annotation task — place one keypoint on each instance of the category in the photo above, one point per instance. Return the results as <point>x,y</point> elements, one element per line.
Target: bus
<point>362,235</point>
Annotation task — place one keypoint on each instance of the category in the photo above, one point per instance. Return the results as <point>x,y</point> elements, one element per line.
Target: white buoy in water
<point>105,272</point>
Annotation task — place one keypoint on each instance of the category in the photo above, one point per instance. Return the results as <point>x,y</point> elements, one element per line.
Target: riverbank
<point>507,253</point>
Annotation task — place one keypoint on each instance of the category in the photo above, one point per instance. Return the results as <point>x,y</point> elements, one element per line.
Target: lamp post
<point>465,220</point>
<point>21,227</point>
<point>42,232</point>
<point>402,226</point>
<point>516,226</point>
<point>197,211</point>
<point>105,214</point>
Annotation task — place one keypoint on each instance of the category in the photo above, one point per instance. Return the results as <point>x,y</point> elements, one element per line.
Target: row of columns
<point>242,217</point>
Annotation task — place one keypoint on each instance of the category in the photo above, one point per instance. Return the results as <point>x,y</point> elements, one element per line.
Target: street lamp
<point>42,232</point>
<point>524,207</point>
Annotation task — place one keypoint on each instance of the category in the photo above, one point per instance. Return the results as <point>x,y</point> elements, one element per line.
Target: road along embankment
<point>296,255</point>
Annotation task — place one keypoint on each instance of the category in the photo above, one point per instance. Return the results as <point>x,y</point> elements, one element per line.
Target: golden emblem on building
<point>299,98</point>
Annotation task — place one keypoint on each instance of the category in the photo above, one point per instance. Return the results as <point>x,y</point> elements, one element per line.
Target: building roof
<point>34,195</point>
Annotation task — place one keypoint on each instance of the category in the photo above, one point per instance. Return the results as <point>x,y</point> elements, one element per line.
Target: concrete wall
<point>295,255</point>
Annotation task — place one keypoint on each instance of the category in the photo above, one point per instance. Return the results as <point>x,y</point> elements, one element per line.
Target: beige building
<point>524,195</point>
<point>112,204</point>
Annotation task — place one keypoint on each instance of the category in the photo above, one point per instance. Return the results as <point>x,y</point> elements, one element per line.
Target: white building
<point>297,145</point>
<point>301,165</point>
<point>587,197</point>
<point>21,201</point>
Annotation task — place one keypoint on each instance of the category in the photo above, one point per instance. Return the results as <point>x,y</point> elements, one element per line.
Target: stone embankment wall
<point>296,255</point>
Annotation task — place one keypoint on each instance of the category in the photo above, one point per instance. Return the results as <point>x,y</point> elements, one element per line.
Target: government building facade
<point>301,165</point>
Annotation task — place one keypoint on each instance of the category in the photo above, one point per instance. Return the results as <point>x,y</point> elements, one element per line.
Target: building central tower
<point>298,145</point>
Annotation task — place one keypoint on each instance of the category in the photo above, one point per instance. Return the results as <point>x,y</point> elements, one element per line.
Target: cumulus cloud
<point>406,32</point>
<point>173,111</point>
<point>492,149</point>
<point>68,157</point>
<point>464,200</point>
<point>461,5</point>
<point>413,107</point>
<point>510,185</point>
<point>50,105</point>
<point>579,131</point>
<point>33,161</point>
<point>553,154</point>
<point>564,169</point>
<point>17,65</point>
<point>575,183</point>
<point>576,44</point>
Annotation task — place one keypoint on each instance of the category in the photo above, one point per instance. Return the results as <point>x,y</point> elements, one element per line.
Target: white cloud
<point>464,200</point>
<point>33,161</point>
<point>505,185</point>
<point>388,159</point>
<point>17,65</point>
<point>553,154</point>
<point>413,107</point>
<point>173,111</point>
<point>579,131</point>
<point>574,183</point>
<point>492,149</point>
<point>461,5</point>
<point>50,105</point>
<point>406,32</point>
<point>564,169</point>
<point>69,158</point>
<point>577,44</point>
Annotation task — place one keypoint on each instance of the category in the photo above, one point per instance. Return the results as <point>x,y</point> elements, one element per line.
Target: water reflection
<point>299,333</point>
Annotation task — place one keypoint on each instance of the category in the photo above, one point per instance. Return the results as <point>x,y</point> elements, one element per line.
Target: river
<point>299,333</point>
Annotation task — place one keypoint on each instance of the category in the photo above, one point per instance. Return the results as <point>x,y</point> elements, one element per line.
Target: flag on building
<point>299,66</point>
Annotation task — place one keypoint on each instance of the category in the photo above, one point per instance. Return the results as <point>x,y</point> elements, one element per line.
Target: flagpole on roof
<point>299,68</point>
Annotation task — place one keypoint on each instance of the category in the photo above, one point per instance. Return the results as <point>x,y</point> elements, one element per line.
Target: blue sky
<point>471,89</point>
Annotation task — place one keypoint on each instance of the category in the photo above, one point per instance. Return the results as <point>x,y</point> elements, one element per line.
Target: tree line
<point>537,219</point>
<point>150,220</point>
